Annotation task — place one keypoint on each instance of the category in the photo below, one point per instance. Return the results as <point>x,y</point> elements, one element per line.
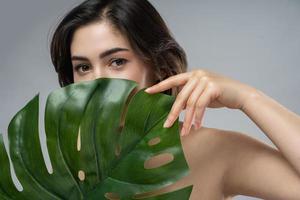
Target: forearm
<point>281,125</point>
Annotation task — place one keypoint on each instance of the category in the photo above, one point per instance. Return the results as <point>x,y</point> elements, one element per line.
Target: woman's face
<point>97,51</point>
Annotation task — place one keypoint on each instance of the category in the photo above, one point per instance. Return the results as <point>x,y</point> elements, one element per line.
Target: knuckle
<point>198,73</point>
<point>197,79</point>
<point>199,104</point>
<point>180,97</point>
<point>205,78</point>
<point>190,103</point>
<point>211,85</point>
<point>198,107</point>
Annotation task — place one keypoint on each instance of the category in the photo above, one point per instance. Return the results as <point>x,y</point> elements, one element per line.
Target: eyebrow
<point>103,54</point>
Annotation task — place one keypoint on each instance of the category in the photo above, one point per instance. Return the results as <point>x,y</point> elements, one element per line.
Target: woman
<point>128,39</point>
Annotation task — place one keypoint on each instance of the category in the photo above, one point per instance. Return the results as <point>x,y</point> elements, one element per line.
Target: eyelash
<point>77,67</point>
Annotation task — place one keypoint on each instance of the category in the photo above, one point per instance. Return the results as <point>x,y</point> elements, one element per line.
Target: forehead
<point>97,36</point>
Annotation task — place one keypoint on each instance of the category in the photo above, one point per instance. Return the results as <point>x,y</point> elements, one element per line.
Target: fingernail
<point>167,123</point>
<point>147,90</point>
<point>197,125</point>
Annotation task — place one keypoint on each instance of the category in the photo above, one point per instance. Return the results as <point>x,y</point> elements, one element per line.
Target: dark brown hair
<point>138,20</point>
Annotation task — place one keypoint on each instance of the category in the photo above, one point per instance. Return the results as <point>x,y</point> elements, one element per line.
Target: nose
<point>99,72</point>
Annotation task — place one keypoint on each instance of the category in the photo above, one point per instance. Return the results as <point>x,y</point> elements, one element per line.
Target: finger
<point>180,102</point>
<point>191,104</point>
<point>198,119</point>
<point>187,121</point>
<point>201,104</point>
<point>168,83</point>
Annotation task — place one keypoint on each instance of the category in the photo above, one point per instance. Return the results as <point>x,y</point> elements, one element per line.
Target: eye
<point>82,68</point>
<point>118,62</point>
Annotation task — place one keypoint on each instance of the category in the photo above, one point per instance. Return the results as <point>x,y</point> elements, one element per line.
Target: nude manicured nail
<point>167,124</point>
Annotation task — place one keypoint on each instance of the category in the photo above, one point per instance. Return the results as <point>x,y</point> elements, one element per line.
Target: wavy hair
<point>137,20</point>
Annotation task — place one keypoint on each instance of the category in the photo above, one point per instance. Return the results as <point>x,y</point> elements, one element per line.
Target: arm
<point>256,169</point>
<point>280,125</point>
<point>203,88</point>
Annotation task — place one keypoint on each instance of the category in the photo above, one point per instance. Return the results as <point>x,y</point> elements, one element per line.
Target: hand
<point>199,89</point>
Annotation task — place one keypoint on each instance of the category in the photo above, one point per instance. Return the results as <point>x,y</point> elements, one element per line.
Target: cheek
<point>134,71</point>
<point>143,76</point>
<point>75,78</point>
<point>138,73</point>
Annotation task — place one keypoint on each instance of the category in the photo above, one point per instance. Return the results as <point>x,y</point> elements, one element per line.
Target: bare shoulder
<point>238,156</point>
<point>210,148</point>
<point>208,153</point>
<point>221,142</point>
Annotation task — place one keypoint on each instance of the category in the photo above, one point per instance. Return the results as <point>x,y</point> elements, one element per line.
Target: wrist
<point>251,96</point>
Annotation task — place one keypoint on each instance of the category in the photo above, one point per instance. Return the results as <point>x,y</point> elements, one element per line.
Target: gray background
<point>256,42</point>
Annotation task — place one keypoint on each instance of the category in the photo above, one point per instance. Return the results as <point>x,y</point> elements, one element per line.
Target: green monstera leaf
<point>100,136</point>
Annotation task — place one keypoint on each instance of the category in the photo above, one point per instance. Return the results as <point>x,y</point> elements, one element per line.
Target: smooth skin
<point>222,163</point>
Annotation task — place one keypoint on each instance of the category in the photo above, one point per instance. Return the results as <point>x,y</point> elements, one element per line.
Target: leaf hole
<point>154,141</point>
<point>79,140</point>
<point>81,175</point>
<point>158,160</point>
<point>111,196</point>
